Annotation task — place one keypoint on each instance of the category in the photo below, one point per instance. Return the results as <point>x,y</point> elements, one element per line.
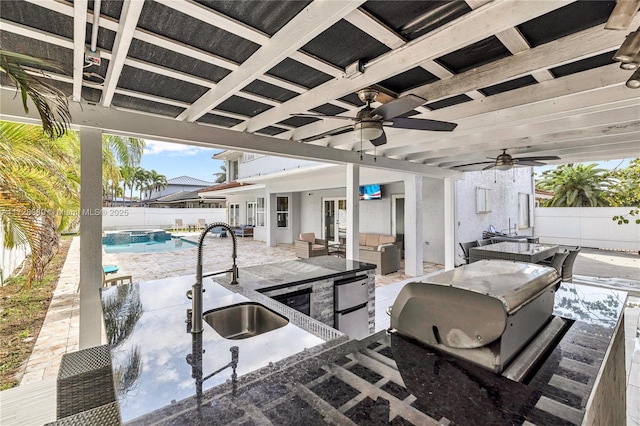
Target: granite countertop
<point>147,331</point>
<point>389,379</point>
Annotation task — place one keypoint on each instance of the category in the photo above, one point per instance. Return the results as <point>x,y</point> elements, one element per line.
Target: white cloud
<point>173,149</point>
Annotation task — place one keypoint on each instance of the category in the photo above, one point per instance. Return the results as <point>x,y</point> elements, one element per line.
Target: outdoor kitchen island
<point>378,380</point>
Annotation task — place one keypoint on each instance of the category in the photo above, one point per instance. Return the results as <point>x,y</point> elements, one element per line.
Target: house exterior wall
<point>504,188</point>
<point>170,189</point>
<point>255,165</point>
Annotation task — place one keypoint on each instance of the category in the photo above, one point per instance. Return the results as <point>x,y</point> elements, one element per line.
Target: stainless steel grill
<point>485,312</point>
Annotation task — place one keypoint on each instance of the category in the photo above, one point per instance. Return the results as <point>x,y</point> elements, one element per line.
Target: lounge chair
<point>310,246</point>
<point>118,280</point>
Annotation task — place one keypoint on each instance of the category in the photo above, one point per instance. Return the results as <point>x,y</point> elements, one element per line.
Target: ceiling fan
<point>505,161</point>
<point>369,121</point>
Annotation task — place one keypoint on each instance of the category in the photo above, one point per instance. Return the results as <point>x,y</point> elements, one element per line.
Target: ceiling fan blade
<point>474,164</point>
<point>423,124</point>
<point>380,140</point>
<point>333,132</point>
<point>337,117</point>
<point>541,157</point>
<point>398,106</point>
<point>490,166</point>
<point>529,163</point>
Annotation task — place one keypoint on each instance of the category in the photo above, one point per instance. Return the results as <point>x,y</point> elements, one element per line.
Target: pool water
<point>174,244</point>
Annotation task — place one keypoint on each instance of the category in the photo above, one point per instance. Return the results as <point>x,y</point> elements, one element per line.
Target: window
<point>234,214</point>
<point>251,213</point>
<point>523,211</point>
<point>260,216</point>
<point>233,170</point>
<point>282,212</point>
<point>483,200</point>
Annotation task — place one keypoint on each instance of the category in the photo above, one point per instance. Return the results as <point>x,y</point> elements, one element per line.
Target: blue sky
<point>609,165</point>
<point>174,160</point>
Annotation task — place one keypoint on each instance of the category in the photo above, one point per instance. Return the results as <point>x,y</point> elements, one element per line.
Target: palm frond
<point>51,103</point>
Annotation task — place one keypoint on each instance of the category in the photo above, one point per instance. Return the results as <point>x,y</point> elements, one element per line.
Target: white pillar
<point>413,226</point>
<point>272,219</point>
<point>90,237</point>
<point>353,211</point>
<point>449,224</point>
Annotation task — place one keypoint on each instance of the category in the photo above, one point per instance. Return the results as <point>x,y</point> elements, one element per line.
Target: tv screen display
<point>370,192</point>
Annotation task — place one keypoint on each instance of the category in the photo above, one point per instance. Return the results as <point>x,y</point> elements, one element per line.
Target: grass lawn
<point>22,313</point>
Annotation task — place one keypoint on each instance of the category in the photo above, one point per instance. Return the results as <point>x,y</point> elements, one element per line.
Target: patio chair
<point>310,246</point>
<point>119,280</point>
<point>178,224</point>
<point>202,223</point>
<point>484,242</point>
<point>557,260</point>
<point>567,266</point>
<point>465,249</point>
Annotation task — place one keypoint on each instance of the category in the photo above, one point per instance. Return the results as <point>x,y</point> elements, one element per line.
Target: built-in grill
<point>486,312</point>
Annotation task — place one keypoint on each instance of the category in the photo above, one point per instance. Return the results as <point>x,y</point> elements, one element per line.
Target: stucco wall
<point>587,227</point>
<point>119,218</point>
<point>505,187</point>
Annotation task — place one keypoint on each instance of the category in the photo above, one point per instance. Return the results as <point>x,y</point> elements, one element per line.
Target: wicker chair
<point>310,246</point>
<point>484,242</point>
<point>567,266</point>
<point>465,249</point>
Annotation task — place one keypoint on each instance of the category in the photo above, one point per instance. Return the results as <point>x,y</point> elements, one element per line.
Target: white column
<point>353,211</point>
<point>449,224</point>
<point>413,226</point>
<point>272,219</point>
<point>90,237</point>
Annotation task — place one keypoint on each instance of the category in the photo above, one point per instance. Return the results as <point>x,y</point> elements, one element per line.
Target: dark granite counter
<point>391,380</point>
<point>147,332</point>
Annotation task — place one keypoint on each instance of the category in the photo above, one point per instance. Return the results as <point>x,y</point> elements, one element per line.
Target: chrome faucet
<point>195,294</point>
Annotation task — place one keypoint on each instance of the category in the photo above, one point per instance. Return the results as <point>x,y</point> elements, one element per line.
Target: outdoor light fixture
<point>622,14</point>
<point>503,162</point>
<point>629,57</point>
<point>634,80</point>
<point>629,48</point>
<point>369,130</point>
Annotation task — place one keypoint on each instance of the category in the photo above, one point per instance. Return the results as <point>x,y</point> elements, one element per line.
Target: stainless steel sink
<point>244,320</point>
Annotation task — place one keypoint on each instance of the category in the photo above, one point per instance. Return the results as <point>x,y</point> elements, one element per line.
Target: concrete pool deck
<point>59,333</point>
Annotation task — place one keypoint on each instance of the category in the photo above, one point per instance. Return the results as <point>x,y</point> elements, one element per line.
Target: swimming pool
<point>174,244</point>
<point>143,241</point>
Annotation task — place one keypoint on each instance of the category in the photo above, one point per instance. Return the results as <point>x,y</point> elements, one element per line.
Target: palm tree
<point>51,102</point>
<point>221,176</point>
<point>39,190</point>
<point>128,172</point>
<point>157,181</point>
<point>141,179</point>
<point>576,186</point>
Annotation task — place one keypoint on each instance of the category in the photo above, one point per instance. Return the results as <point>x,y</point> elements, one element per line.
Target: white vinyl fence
<point>120,218</point>
<point>587,227</point>
<point>10,260</point>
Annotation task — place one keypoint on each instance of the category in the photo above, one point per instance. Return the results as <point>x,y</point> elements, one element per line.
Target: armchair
<point>309,246</point>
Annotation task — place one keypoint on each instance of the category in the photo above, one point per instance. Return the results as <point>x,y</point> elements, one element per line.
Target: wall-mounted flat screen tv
<point>370,192</point>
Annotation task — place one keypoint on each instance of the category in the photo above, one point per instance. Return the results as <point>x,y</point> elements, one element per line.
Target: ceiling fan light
<point>634,80</point>
<point>629,48</point>
<point>629,66</point>
<point>505,166</point>
<point>368,130</point>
